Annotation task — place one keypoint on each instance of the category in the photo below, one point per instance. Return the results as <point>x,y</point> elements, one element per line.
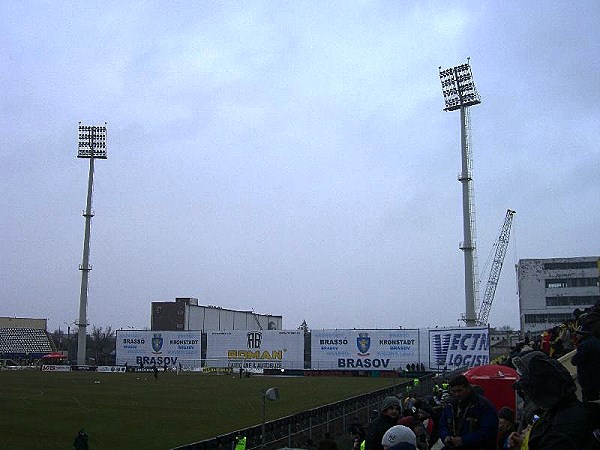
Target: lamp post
<point>69,344</point>
<point>460,93</point>
<point>271,394</point>
<point>91,145</point>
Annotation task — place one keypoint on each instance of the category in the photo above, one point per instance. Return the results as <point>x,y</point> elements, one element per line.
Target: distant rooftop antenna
<point>460,93</point>
<point>91,145</point>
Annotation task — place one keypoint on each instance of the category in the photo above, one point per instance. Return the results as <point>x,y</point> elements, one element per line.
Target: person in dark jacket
<point>587,360</point>
<point>388,417</point>
<point>469,420</point>
<point>563,422</point>
<point>327,443</point>
<point>81,440</point>
<point>506,426</point>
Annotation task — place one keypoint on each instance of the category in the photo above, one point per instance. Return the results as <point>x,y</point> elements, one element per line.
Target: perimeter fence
<point>304,429</point>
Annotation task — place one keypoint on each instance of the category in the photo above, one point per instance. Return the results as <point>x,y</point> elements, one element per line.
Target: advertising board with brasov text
<point>456,348</point>
<point>161,348</point>
<point>364,349</point>
<point>255,350</point>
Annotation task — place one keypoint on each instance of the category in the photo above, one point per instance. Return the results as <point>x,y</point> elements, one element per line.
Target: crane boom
<point>490,289</point>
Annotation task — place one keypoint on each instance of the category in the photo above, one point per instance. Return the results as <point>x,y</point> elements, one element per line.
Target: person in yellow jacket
<point>240,443</point>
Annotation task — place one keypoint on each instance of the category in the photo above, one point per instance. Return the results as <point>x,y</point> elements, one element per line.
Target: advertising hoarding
<point>455,348</point>
<point>160,348</point>
<point>255,350</point>
<point>55,368</point>
<point>364,349</point>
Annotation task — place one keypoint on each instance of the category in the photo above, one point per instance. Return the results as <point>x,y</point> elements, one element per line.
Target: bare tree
<point>101,345</point>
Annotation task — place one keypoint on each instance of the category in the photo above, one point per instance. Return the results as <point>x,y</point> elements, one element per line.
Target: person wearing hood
<point>399,437</point>
<point>587,360</point>
<point>387,418</point>
<point>470,420</point>
<point>563,423</point>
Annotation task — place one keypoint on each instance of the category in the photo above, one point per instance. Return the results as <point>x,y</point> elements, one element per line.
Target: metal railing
<point>298,430</point>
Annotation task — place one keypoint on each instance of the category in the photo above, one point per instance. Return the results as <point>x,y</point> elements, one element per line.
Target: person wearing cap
<point>399,437</point>
<point>562,422</point>
<point>469,420</point>
<point>387,418</point>
<point>416,426</point>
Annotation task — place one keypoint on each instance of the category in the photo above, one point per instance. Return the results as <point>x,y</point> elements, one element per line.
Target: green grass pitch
<point>134,411</point>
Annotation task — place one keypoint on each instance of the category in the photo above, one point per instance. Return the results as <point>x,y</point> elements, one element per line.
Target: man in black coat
<point>388,417</point>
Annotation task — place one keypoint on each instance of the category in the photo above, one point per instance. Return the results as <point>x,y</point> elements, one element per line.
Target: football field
<point>135,411</point>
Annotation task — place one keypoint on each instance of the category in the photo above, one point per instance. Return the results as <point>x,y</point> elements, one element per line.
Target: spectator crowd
<point>550,416</point>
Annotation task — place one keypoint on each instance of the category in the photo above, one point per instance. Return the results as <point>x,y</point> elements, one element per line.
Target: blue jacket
<point>479,426</point>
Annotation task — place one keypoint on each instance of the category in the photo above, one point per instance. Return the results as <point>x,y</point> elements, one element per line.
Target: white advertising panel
<point>160,348</point>
<point>364,349</point>
<point>111,369</point>
<point>455,348</point>
<point>262,349</point>
<point>55,368</point>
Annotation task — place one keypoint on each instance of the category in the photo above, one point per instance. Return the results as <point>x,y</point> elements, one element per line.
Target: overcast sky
<point>290,157</point>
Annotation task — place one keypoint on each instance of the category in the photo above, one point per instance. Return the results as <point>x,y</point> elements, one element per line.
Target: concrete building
<point>551,289</point>
<point>185,314</point>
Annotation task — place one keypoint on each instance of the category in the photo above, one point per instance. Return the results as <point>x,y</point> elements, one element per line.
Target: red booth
<point>496,382</point>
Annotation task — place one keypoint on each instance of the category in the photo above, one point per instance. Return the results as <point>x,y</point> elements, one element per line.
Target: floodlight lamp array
<point>458,87</point>
<point>92,141</point>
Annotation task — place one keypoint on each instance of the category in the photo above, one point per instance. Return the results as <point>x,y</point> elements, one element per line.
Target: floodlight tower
<point>460,93</point>
<point>91,145</point>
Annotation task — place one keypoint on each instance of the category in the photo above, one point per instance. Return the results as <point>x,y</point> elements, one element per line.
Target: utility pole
<point>91,145</point>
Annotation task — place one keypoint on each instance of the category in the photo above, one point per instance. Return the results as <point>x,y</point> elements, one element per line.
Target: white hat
<point>398,434</point>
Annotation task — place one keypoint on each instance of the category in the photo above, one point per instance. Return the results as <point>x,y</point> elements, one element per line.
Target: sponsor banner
<point>259,349</point>
<point>18,367</point>
<point>364,349</point>
<point>84,368</point>
<point>55,368</point>
<point>160,348</point>
<point>227,370</point>
<point>456,348</point>
<point>111,369</point>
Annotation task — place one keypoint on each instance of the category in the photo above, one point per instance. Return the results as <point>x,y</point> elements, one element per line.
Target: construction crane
<point>490,289</point>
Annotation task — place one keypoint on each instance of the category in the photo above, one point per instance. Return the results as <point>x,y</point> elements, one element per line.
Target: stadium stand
<point>24,343</point>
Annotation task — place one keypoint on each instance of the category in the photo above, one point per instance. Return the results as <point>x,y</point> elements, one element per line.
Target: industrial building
<point>184,314</point>
<point>551,289</point>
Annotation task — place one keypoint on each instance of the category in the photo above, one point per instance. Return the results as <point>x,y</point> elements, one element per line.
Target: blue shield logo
<point>363,342</point>
<point>157,343</point>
